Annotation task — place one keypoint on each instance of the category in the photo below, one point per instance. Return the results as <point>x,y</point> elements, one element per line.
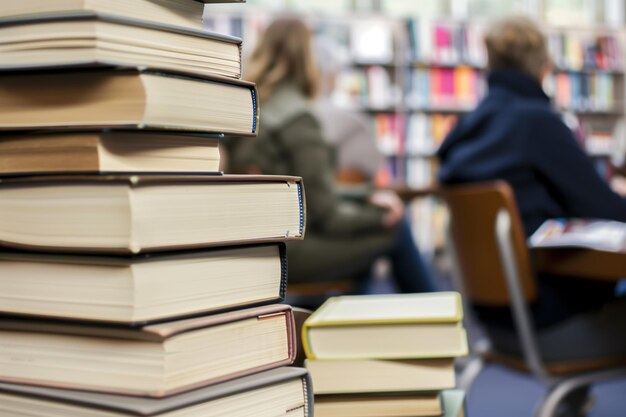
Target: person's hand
<point>618,184</point>
<point>389,201</point>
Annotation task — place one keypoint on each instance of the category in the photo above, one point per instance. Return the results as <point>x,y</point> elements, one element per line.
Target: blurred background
<point>409,69</point>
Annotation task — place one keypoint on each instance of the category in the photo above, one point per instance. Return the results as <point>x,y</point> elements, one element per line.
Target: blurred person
<point>357,156</point>
<point>343,237</point>
<point>515,135</point>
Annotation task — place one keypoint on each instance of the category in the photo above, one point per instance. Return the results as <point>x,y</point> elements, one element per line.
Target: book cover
<point>390,326</point>
<point>106,152</point>
<point>95,39</point>
<point>180,13</point>
<point>380,376</point>
<point>223,399</point>
<point>135,290</point>
<point>126,214</point>
<point>584,233</point>
<point>152,99</point>
<point>154,360</point>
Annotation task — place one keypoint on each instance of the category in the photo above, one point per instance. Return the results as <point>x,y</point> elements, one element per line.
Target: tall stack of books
<point>135,278</point>
<point>386,355</point>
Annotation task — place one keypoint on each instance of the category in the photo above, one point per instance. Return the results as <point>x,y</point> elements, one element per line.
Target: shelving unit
<point>414,74</point>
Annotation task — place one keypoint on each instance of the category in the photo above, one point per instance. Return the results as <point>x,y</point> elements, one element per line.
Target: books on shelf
<point>585,92</point>
<point>405,326</point>
<point>371,41</point>
<point>446,43</point>
<point>130,98</point>
<point>91,39</point>
<point>107,151</point>
<point>384,405</point>
<point>444,88</point>
<point>426,132</point>
<point>284,392</point>
<point>153,360</point>
<point>185,13</point>
<point>140,289</point>
<point>369,88</point>
<point>584,233</point>
<point>585,51</point>
<point>360,376</point>
<point>132,214</point>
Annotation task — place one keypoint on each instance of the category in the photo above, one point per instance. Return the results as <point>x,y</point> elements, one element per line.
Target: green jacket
<point>290,142</point>
<point>342,236</point>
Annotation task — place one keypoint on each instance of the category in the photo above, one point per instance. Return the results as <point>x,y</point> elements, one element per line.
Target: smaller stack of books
<point>385,355</point>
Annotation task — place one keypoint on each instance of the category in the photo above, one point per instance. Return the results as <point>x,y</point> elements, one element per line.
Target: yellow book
<point>391,326</point>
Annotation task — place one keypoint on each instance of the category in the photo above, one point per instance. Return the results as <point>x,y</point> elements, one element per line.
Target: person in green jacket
<point>343,237</point>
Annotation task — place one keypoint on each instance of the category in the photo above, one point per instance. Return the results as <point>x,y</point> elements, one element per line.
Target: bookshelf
<point>415,70</point>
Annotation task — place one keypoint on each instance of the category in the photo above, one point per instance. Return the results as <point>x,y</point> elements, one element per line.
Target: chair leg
<point>555,397</point>
<point>470,372</point>
<point>561,388</point>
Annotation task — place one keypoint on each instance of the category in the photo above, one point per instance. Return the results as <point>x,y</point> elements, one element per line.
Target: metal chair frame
<point>558,387</point>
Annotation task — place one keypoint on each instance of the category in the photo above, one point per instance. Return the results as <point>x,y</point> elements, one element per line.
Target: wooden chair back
<point>473,210</point>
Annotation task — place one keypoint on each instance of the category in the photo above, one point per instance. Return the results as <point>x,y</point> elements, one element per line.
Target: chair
<point>311,295</point>
<point>491,266</point>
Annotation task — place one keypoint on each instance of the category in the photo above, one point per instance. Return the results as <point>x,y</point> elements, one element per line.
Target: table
<point>581,262</point>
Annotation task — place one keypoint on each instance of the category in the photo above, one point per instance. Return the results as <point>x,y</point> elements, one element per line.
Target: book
<point>380,376</point>
<point>404,326</point>
<point>605,235</point>
<point>387,405</point>
<point>183,13</point>
<point>140,289</point>
<point>153,360</point>
<point>453,403</point>
<point>133,214</point>
<point>282,392</point>
<point>92,39</point>
<point>128,98</point>
<point>105,151</point>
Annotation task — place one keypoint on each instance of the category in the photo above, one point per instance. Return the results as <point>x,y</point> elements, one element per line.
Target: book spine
<point>308,395</point>
<point>301,204</point>
<point>282,249</point>
<point>255,111</point>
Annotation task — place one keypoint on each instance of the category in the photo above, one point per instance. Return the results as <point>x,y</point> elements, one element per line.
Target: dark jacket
<point>342,236</point>
<point>515,135</point>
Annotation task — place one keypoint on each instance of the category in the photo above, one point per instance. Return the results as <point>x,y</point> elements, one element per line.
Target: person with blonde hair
<point>343,237</point>
<point>515,135</point>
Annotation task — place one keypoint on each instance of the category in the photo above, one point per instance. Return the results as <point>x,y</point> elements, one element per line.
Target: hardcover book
<point>133,214</point>
<point>153,360</point>
<point>185,13</point>
<point>107,152</point>
<point>139,289</point>
<point>361,376</point>
<point>390,326</point>
<point>282,392</point>
<point>127,99</point>
<point>93,39</point>
<point>378,405</point>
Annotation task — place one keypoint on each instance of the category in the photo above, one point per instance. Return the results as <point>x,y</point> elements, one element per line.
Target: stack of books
<point>135,278</point>
<point>386,355</point>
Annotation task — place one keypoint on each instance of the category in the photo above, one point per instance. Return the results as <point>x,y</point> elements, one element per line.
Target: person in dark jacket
<point>343,237</point>
<point>515,135</point>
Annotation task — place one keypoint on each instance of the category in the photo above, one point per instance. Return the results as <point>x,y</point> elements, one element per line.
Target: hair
<point>284,54</point>
<point>517,43</point>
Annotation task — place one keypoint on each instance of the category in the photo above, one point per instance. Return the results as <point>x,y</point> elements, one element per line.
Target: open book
<point>586,233</point>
